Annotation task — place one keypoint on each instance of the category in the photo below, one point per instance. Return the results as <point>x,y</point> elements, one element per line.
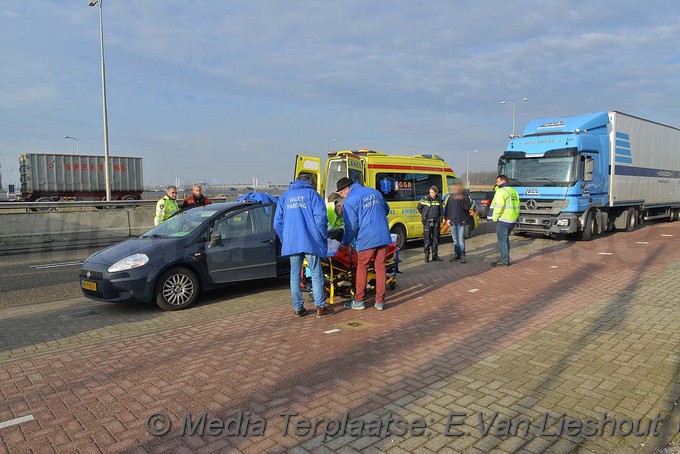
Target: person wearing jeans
<point>457,215</point>
<point>302,225</point>
<point>503,231</point>
<point>505,206</point>
<point>318,291</point>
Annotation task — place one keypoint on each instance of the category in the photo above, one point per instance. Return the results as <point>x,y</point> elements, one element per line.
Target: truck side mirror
<point>215,238</point>
<point>588,169</point>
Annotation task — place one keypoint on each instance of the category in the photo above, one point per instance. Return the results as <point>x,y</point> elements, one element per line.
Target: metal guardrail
<point>40,206</point>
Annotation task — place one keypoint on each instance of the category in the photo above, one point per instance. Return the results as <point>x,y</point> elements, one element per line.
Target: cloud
<point>278,78</point>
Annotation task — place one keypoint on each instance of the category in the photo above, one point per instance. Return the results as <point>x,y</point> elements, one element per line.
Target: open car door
<point>311,166</point>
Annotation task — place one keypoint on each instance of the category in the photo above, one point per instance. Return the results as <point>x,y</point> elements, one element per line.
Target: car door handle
<point>268,241</point>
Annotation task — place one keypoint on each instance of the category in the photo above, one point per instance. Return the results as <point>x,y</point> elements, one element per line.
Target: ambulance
<point>402,180</point>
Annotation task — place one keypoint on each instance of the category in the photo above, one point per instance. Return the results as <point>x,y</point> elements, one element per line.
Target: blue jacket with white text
<point>365,213</point>
<point>301,222</point>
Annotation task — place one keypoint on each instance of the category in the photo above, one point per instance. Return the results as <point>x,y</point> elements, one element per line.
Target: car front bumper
<point>132,285</point>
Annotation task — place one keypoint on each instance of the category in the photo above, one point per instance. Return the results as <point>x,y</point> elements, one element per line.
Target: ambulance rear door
<point>310,166</point>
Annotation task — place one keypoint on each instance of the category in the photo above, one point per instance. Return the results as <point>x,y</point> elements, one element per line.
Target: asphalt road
<point>41,276</point>
<point>44,276</point>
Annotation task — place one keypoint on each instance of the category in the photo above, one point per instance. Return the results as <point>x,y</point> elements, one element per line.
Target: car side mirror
<point>215,239</point>
<point>588,169</point>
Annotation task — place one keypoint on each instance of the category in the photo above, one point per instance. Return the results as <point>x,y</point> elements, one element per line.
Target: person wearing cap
<point>365,215</point>
<point>301,223</point>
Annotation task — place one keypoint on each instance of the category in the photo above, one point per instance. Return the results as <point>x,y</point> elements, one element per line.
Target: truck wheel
<point>43,209</point>
<point>176,289</point>
<point>590,228</point>
<point>129,207</point>
<point>400,231</point>
<point>631,219</point>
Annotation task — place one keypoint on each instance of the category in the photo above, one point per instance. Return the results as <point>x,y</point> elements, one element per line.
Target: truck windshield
<point>337,168</point>
<point>542,171</point>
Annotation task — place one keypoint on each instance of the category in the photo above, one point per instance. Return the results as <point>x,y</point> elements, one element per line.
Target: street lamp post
<point>513,113</point>
<point>107,181</point>
<point>329,144</point>
<point>467,168</point>
<point>77,144</point>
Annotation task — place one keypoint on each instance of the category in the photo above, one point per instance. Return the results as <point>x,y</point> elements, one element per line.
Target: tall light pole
<point>77,144</point>
<point>107,181</point>
<point>513,113</point>
<point>467,168</point>
<point>329,144</point>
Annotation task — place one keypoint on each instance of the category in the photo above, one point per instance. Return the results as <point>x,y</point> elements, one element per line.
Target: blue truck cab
<point>582,175</point>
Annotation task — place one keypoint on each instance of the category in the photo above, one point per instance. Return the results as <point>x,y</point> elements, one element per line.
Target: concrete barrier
<point>140,220</point>
<point>49,227</point>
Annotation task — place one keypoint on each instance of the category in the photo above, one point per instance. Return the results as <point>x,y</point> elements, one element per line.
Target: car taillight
<point>485,202</point>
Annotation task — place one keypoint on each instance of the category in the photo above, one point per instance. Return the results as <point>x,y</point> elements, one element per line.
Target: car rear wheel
<point>176,289</point>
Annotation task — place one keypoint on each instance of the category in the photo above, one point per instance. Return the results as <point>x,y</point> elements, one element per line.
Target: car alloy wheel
<point>177,289</point>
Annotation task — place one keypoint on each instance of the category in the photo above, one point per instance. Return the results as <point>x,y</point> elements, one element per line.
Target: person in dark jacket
<point>365,214</point>
<point>431,212</point>
<point>457,215</point>
<point>301,224</point>
<point>196,199</point>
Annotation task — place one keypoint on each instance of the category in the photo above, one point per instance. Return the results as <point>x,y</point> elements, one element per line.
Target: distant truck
<point>56,177</point>
<point>583,175</point>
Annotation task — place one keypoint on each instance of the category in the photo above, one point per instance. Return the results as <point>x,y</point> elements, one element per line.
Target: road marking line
<point>55,265</point>
<point>473,290</point>
<point>666,234</point>
<point>606,253</point>
<point>331,331</point>
<point>554,266</point>
<point>642,242</point>
<point>14,422</point>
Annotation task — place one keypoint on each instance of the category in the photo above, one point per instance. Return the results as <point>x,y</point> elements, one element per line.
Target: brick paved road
<point>583,329</point>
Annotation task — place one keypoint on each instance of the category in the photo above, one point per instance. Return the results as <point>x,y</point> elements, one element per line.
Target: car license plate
<point>87,285</point>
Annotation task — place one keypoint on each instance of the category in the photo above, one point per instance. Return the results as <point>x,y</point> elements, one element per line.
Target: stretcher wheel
<point>393,285</point>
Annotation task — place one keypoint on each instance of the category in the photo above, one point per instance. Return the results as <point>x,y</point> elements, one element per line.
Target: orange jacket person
<point>197,199</point>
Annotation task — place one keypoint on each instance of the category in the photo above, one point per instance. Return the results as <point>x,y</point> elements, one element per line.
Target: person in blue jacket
<point>302,225</point>
<point>365,214</point>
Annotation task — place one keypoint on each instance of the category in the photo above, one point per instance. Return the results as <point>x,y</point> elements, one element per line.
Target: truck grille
<point>542,206</point>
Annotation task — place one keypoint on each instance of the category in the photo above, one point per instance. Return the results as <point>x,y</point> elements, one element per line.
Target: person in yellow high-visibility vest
<point>166,206</point>
<point>505,206</point>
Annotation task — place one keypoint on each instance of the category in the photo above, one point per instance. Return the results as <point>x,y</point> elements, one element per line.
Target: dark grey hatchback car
<point>193,250</point>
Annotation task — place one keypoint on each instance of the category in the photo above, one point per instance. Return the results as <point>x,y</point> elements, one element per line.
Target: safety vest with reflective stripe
<point>164,209</point>
<point>430,208</point>
<point>505,205</point>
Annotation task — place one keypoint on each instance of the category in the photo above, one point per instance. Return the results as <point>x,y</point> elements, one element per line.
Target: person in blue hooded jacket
<point>302,225</point>
<point>365,214</point>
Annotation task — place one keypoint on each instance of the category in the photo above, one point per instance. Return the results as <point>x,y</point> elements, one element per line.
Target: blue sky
<point>234,90</point>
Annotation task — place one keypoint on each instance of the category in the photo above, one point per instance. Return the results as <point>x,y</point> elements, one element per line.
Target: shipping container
<point>72,177</point>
